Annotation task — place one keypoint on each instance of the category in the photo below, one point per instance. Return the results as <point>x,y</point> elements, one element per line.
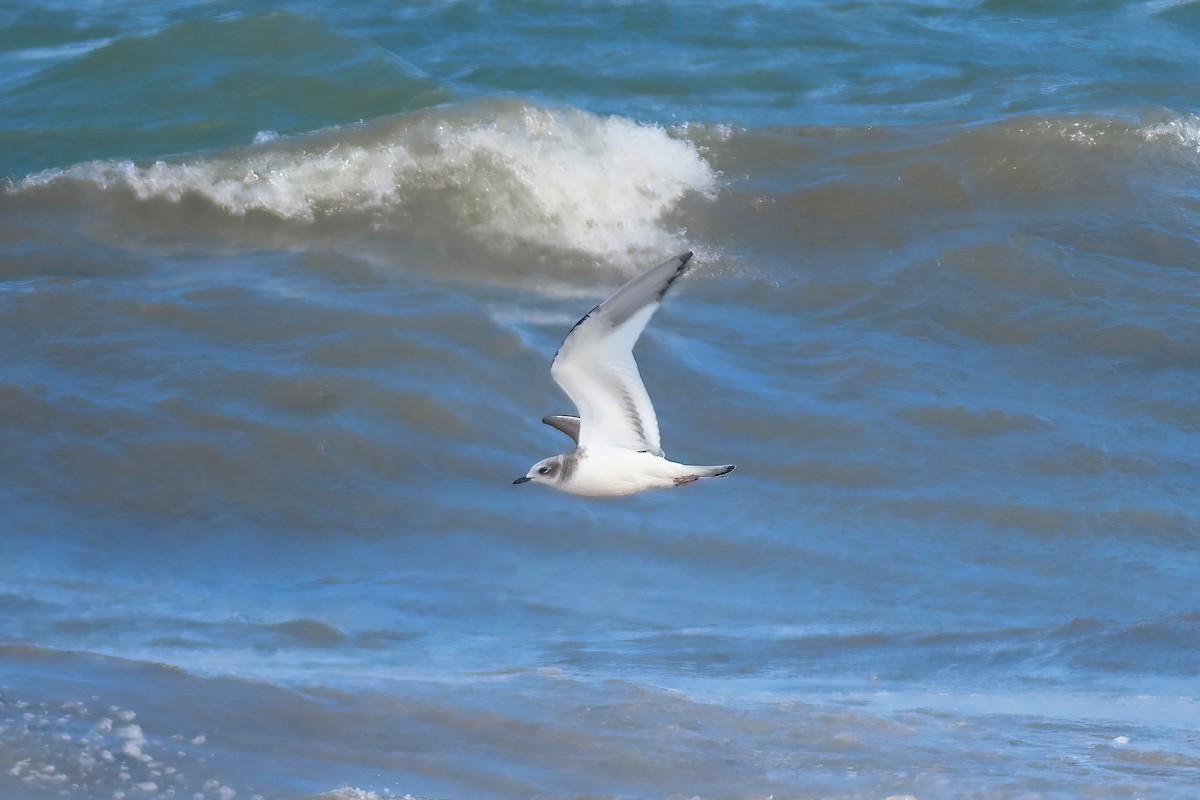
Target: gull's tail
<point>711,471</point>
<point>690,473</point>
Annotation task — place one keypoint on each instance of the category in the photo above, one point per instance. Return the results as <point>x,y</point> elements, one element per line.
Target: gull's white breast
<point>615,472</point>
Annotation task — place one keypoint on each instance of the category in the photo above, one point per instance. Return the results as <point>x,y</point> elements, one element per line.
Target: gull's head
<point>548,471</point>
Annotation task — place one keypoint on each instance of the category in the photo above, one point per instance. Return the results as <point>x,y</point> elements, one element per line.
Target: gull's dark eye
<point>544,471</point>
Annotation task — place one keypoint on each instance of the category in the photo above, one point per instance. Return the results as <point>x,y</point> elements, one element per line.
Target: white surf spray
<point>511,172</point>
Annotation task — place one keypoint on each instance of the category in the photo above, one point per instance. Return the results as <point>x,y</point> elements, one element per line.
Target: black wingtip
<point>684,258</point>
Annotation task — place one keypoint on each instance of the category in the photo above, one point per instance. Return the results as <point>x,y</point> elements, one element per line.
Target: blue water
<point>279,289</point>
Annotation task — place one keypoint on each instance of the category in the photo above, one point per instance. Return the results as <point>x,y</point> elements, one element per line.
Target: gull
<point>617,450</point>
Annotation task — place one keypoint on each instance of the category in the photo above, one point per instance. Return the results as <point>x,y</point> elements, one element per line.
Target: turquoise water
<point>279,289</point>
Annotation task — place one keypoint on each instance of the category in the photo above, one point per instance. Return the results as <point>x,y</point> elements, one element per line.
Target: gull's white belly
<point>617,472</point>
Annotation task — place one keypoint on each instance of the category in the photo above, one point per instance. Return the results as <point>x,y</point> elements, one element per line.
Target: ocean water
<point>279,288</point>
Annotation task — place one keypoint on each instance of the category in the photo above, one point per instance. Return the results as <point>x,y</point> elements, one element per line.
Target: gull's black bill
<point>522,479</point>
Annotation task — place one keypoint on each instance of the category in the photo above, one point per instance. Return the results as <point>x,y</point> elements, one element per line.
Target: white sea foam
<point>352,793</point>
<point>1184,132</point>
<point>63,51</point>
<point>519,174</point>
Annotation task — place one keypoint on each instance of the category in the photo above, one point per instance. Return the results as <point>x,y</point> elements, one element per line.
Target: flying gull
<point>617,450</point>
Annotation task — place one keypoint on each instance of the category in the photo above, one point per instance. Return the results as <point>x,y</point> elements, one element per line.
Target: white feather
<point>596,368</point>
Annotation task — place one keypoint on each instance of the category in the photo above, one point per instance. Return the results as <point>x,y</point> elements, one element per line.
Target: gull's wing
<point>595,365</point>
<point>566,424</point>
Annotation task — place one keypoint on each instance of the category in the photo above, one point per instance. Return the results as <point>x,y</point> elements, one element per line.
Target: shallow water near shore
<point>279,289</point>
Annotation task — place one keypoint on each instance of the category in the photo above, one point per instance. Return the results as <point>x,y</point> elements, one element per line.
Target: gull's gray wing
<point>564,423</point>
<point>595,364</point>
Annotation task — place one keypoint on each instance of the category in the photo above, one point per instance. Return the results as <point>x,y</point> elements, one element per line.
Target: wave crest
<point>510,172</point>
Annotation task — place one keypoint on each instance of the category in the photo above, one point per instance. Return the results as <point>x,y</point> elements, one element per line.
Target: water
<point>279,287</point>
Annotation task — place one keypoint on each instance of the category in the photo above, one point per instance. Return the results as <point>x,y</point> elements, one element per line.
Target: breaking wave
<point>510,172</point>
